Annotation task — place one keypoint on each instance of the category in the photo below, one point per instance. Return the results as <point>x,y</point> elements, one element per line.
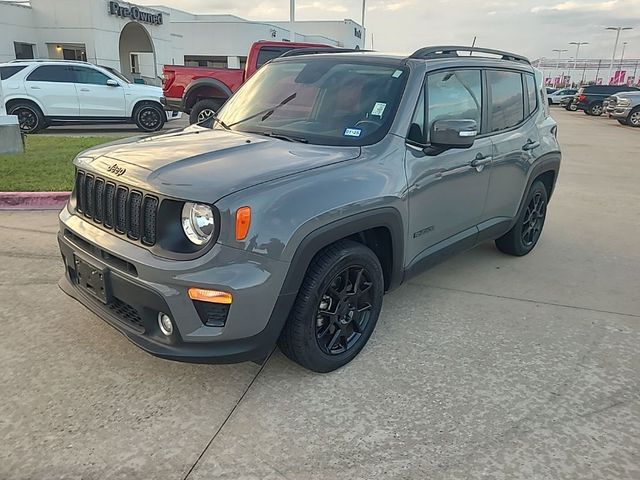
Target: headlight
<point>198,222</point>
<point>624,102</point>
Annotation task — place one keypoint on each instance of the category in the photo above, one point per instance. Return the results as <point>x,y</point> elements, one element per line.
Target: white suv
<point>49,92</point>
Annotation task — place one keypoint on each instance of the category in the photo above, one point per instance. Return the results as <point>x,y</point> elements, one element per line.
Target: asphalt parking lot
<point>486,366</point>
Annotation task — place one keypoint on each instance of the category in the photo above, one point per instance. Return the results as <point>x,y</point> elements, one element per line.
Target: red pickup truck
<point>201,91</point>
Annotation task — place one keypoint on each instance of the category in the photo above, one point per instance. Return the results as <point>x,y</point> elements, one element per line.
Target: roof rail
<point>452,51</point>
<point>312,51</point>
<point>46,60</point>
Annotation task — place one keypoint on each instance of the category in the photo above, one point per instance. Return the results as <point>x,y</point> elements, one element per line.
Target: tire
<point>29,116</point>
<point>622,121</point>
<point>519,241</point>
<point>149,117</point>
<point>595,109</point>
<point>572,107</point>
<point>204,109</point>
<point>323,342</point>
<point>634,118</point>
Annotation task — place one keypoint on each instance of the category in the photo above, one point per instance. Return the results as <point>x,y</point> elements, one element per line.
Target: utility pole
<point>624,45</point>
<point>560,52</point>
<point>364,34</point>
<point>292,20</point>
<point>615,47</point>
<point>575,62</point>
<point>597,72</point>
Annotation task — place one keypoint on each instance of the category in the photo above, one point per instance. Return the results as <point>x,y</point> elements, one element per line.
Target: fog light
<point>165,323</point>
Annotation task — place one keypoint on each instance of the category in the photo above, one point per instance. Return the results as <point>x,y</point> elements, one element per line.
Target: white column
<point>3,111</point>
<point>292,20</point>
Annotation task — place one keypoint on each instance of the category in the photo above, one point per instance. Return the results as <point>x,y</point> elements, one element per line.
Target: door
<point>97,99</point>
<point>53,86</point>
<point>514,100</point>
<point>446,191</point>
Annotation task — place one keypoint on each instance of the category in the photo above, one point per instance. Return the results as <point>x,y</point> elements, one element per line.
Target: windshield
<point>325,101</point>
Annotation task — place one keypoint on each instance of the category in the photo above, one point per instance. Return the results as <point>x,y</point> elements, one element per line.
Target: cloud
<point>584,7</point>
<point>323,6</point>
<point>391,7</point>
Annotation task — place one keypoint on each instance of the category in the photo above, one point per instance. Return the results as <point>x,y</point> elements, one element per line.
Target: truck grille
<point>117,207</point>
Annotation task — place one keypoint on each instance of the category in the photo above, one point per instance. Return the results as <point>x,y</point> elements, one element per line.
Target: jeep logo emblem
<point>116,170</point>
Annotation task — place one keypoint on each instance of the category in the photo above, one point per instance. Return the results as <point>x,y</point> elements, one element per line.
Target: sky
<point>530,27</point>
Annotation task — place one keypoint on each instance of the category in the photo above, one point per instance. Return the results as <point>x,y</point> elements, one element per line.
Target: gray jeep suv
<point>326,181</point>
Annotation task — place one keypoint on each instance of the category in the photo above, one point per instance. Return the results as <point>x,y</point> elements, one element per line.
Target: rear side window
<point>454,94</point>
<point>507,99</point>
<point>269,53</point>
<point>8,72</point>
<point>51,73</point>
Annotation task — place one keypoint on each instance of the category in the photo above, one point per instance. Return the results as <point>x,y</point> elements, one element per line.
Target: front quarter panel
<point>286,211</point>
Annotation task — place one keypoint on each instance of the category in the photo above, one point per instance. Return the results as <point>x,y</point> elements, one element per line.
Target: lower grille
<point>127,314</point>
<point>117,207</point>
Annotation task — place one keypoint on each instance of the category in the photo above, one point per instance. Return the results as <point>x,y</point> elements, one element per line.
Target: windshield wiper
<point>214,118</point>
<point>266,113</point>
<point>283,136</point>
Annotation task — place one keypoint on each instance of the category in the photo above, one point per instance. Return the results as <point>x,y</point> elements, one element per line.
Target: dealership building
<point>138,40</point>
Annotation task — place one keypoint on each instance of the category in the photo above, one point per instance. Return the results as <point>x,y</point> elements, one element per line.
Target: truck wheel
<point>29,115</point>
<point>149,117</point>
<point>204,109</point>
<point>595,109</point>
<point>634,117</point>
<point>336,309</point>
<point>524,235</point>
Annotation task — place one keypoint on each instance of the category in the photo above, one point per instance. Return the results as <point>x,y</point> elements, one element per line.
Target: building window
<point>205,61</point>
<point>24,51</point>
<point>69,53</point>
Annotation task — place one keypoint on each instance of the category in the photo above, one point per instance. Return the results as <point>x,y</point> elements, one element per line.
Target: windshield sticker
<point>378,109</point>
<point>397,74</point>
<point>352,132</point>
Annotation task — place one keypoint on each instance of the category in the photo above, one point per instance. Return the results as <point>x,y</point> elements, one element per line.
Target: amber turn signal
<point>211,296</point>
<point>243,222</point>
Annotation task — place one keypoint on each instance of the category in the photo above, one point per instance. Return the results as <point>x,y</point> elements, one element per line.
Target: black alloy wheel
<point>28,118</point>
<point>533,219</point>
<point>149,119</point>
<point>344,310</point>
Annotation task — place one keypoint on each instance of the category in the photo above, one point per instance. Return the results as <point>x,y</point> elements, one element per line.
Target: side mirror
<point>453,133</point>
<point>112,83</point>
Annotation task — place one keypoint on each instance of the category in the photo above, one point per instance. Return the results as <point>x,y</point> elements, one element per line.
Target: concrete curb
<point>33,200</point>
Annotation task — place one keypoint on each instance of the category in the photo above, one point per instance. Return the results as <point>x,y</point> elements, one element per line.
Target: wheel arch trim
<point>204,82</point>
<point>384,217</point>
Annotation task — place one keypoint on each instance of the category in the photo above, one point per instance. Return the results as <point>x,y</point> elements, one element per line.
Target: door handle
<point>85,90</point>
<point>530,145</point>
<point>34,87</point>
<point>481,160</point>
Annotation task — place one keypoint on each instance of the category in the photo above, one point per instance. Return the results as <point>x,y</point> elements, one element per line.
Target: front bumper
<point>621,112</point>
<point>174,104</point>
<point>141,285</point>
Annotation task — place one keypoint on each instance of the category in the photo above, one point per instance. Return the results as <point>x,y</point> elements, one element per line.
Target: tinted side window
<point>269,53</point>
<point>507,99</point>
<point>8,72</point>
<point>455,94</point>
<point>89,76</point>
<point>533,94</point>
<point>51,73</point>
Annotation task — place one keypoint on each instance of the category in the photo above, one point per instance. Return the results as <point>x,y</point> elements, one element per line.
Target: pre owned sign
<point>134,13</point>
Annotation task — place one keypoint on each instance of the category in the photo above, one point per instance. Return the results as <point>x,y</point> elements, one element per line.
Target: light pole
<point>292,20</point>
<point>364,34</point>
<point>615,47</point>
<point>575,62</point>
<point>560,52</point>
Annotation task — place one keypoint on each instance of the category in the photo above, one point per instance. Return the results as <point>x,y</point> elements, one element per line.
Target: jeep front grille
<point>117,207</point>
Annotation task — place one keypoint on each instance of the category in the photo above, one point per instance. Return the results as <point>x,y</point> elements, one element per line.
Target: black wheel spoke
<point>344,310</point>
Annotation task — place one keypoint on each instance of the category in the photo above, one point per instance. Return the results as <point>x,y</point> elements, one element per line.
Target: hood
<point>205,165</point>
<point>143,89</point>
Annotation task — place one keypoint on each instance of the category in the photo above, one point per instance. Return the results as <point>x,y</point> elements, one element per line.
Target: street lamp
<point>575,62</point>
<point>615,47</point>
<point>560,52</point>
